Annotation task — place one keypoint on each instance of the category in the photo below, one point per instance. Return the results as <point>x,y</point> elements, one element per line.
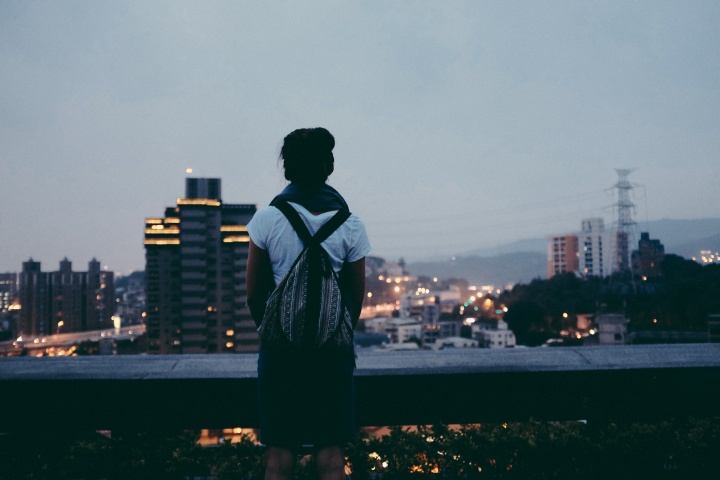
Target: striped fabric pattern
<point>306,311</point>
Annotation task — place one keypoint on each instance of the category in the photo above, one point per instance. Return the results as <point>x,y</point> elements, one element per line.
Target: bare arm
<point>259,281</point>
<point>352,281</point>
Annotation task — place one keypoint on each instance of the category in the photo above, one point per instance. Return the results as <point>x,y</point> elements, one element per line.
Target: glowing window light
<point>168,241</point>
<point>233,228</point>
<point>208,202</point>
<point>172,220</point>
<point>153,221</point>
<point>237,238</point>
<point>162,230</point>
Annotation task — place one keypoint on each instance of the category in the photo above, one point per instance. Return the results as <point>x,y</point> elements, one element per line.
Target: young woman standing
<point>306,398</point>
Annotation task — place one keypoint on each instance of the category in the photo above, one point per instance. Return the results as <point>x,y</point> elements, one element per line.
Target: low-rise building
<point>493,334</point>
<point>401,330</point>
<point>375,325</point>
<point>398,330</point>
<point>612,329</point>
<point>455,342</point>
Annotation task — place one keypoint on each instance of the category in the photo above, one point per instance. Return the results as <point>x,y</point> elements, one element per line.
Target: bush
<point>675,449</point>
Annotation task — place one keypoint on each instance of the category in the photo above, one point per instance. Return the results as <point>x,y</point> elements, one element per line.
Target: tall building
<point>597,248</point>
<point>8,290</point>
<point>196,256</point>
<point>562,254</point>
<point>64,301</point>
<point>648,257</point>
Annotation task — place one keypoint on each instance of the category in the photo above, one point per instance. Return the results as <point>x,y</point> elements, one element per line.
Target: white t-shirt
<point>271,231</point>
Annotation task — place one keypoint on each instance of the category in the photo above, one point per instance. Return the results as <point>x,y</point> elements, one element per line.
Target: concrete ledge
<point>392,388</point>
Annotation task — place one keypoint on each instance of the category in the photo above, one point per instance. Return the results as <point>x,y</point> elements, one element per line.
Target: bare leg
<point>330,463</point>
<point>280,463</point>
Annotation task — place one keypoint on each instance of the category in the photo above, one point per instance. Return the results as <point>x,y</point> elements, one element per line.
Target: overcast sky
<point>458,125</point>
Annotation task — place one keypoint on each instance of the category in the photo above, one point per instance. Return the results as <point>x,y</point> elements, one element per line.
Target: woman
<point>305,398</point>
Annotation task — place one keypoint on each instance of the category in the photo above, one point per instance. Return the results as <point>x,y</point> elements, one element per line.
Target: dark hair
<point>307,156</point>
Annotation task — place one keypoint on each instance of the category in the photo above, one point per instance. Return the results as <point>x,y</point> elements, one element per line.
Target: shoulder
<point>357,239</point>
<point>355,223</point>
<point>261,225</point>
<point>266,213</point>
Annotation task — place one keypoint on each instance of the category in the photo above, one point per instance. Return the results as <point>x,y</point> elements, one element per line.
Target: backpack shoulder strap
<point>294,219</point>
<point>331,225</point>
<point>299,226</point>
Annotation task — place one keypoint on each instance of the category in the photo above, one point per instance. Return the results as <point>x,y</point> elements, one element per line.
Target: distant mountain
<point>523,260</point>
<point>494,270</point>
<point>676,235</point>
<point>693,248</point>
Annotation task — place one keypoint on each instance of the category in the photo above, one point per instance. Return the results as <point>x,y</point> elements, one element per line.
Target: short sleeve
<point>260,226</point>
<point>360,247</point>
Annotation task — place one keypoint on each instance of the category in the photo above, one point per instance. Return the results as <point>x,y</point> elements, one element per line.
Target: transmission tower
<point>625,224</point>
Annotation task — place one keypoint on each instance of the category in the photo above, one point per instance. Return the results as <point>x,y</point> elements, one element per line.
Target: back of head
<point>307,156</point>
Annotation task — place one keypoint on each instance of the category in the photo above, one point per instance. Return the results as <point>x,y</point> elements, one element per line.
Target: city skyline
<point>458,126</point>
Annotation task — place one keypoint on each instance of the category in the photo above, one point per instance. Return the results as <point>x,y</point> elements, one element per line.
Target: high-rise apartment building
<point>8,290</point>
<point>598,249</point>
<point>562,254</point>
<point>196,257</point>
<point>64,301</point>
<point>647,259</point>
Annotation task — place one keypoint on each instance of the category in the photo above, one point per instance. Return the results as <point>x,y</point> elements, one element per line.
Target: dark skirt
<point>305,399</point>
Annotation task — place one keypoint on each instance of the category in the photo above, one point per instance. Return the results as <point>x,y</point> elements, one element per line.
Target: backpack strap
<point>294,219</point>
<point>301,229</point>
<point>331,225</point>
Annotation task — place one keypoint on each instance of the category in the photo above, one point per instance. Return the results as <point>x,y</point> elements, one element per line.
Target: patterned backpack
<point>307,311</point>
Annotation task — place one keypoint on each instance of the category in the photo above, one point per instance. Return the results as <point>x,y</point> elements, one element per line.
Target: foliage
<point>671,449</point>
<point>680,299</point>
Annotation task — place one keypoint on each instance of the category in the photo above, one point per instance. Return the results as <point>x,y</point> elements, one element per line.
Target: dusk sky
<point>458,124</point>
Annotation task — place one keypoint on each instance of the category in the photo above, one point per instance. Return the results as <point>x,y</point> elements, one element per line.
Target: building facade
<point>493,334</point>
<point>8,290</point>
<point>562,254</point>
<point>64,301</point>
<point>196,258</point>
<point>594,252</point>
<point>612,329</point>
<point>647,259</point>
